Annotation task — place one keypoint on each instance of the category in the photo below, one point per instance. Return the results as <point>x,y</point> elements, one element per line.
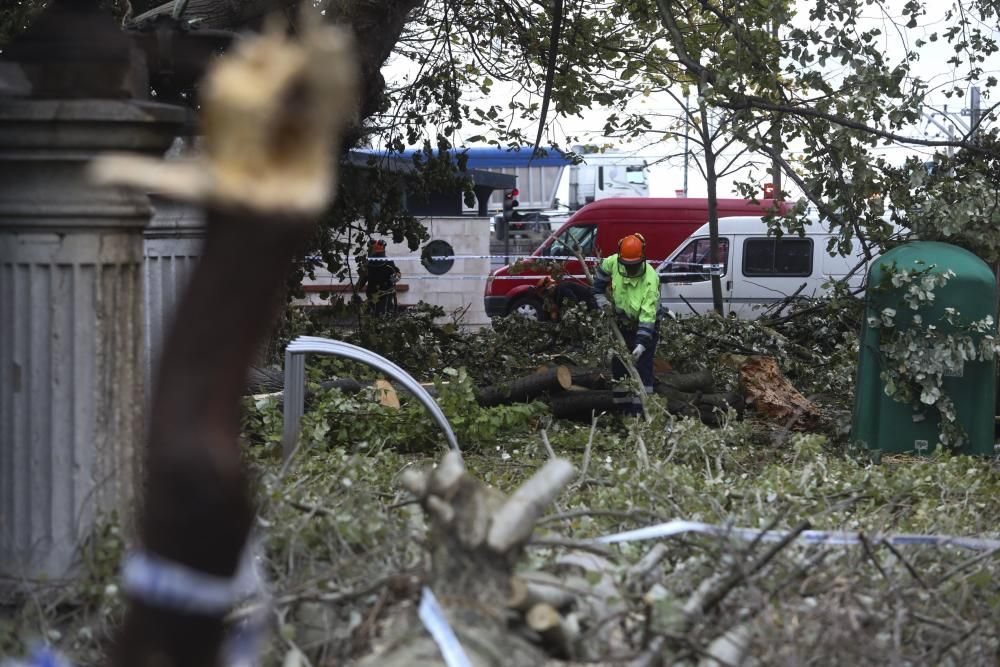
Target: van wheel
<point>528,306</point>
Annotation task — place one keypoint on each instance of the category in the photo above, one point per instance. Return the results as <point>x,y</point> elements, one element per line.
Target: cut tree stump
<point>773,396</point>
<point>526,388</point>
<point>476,537</point>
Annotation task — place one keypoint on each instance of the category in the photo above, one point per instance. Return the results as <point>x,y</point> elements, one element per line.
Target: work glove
<point>637,352</point>
<point>602,303</point>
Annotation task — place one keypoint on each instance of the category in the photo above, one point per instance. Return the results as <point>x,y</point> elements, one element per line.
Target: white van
<point>756,269</point>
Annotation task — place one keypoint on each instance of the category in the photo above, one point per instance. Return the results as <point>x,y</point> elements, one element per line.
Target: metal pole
<point>974,104</point>
<point>687,119</point>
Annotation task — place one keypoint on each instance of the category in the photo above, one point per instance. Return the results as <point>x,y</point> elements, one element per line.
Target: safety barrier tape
<point>433,618</point>
<point>530,277</point>
<point>165,584</point>
<point>821,537</point>
<point>162,583</point>
<point>444,258</point>
<point>461,276</point>
<point>537,258</point>
<point>437,625</point>
<point>40,656</point>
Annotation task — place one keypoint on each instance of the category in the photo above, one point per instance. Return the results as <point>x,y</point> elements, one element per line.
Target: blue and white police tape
<point>162,583</point>
<point>512,257</point>
<point>819,537</point>
<point>433,618</point>
<point>41,656</point>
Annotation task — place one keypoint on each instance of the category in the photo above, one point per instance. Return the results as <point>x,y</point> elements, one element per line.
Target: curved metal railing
<point>295,379</point>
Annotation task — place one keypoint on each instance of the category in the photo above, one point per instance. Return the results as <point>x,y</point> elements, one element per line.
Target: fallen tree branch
<point>514,521</point>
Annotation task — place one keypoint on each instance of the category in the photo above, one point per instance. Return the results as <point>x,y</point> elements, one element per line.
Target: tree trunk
<point>696,404</point>
<point>580,405</point>
<point>377,27</point>
<point>197,510</point>
<point>713,208</point>
<point>592,378</point>
<point>697,381</point>
<point>214,14</point>
<point>526,388</point>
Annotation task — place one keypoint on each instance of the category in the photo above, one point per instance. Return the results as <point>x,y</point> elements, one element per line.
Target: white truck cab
<point>756,269</point>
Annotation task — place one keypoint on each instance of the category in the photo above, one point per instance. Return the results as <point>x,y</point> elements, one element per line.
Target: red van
<point>596,229</point>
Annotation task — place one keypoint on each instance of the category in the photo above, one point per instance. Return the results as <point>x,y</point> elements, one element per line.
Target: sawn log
<point>526,388</point>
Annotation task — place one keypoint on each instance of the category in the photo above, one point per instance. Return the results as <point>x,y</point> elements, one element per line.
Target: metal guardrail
<point>295,384</point>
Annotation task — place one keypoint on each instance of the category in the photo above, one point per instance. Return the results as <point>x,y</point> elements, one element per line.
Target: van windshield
<point>572,239</point>
<point>691,264</point>
<point>635,174</point>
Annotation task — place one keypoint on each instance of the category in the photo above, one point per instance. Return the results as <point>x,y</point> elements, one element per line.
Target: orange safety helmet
<point>378,247</point>
<point>632,255</point>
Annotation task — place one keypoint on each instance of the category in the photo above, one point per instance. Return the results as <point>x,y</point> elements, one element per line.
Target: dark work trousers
<point>383,304</point>
<point>627,402</point>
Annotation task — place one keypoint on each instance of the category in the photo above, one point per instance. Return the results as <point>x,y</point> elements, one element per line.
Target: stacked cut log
<point>694,395</point>
<point>578,393</point>
<point>526,388</point>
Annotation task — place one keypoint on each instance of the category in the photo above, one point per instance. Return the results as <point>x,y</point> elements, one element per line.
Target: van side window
<point>577,236</point>
<point>777,257</point>
<point>690,264</point>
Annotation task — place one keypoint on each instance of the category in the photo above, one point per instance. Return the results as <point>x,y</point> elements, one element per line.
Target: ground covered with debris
<point>361,520</point>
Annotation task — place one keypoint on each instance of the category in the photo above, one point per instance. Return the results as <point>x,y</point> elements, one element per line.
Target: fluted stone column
<point>72,349</point>
<point>173,244</point>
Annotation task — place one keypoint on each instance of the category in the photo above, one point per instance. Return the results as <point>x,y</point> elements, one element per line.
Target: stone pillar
<point>71,323</point>
<point>173,244</point>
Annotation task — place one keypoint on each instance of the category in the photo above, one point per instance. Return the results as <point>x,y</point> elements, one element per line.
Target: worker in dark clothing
<point>378,278</point>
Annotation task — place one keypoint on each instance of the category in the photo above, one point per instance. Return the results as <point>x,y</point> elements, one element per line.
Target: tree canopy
<point>819,86</point>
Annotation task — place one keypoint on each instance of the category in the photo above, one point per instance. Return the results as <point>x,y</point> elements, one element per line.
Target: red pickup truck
<point>595,231</point>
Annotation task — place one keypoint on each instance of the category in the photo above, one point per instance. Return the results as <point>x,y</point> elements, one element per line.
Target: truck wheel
<point>528,306</point>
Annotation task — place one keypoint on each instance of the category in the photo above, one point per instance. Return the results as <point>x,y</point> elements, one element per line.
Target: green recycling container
<point>886,425</point>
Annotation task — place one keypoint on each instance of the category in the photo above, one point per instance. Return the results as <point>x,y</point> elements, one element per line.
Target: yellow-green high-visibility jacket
<point>638,298</point>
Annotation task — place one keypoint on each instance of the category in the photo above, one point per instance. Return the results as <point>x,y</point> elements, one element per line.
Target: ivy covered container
<point>927,368</point>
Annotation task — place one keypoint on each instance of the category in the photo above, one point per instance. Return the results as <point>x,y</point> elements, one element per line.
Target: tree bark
<point>526,388</point>
<point>592,378</point>
<point>197,509</point>
<point>580,405</point>
<point>377,27</point>
<point>712,181</point>
<point>214,14</point>
<point>697,381</point>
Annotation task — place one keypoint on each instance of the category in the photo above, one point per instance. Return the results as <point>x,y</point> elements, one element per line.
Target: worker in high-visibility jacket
<point>634,301</point>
